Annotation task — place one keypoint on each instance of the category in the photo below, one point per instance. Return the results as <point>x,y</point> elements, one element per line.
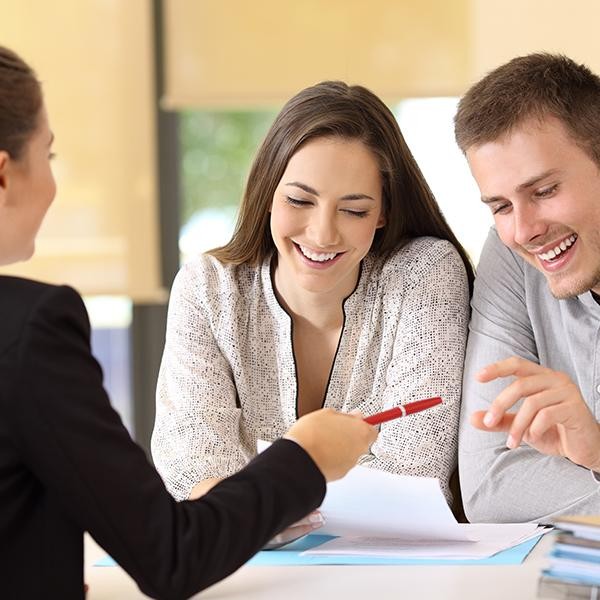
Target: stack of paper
<point>376,513</point>
<point>575,556</point>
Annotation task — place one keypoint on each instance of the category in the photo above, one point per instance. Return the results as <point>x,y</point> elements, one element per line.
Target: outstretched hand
<point>334,440</point>
<point>553,418</point>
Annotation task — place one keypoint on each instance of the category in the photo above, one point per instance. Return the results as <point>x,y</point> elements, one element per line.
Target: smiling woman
<point>342,286</point>
<point>324,216</point>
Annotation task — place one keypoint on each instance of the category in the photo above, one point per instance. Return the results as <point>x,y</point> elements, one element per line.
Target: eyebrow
<point>310,190</point>
<point>522,186</point>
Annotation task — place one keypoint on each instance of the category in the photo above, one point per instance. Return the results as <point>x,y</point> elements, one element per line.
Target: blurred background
<point>158,106</point>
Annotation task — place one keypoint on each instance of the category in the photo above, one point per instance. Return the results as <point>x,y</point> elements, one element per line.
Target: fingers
<point>369,432</point>
<point>552,417</point>
<point>539,412</point>
<point>515,366</point>
<point>523,387</point>
<point>303,527</point>
<point>504,424</point>
<point>315,518</point>
<point>334,440</point>
<point>536,416</point>
<point>543,421</point>
<point>287,537</point>
<point>372,433</point>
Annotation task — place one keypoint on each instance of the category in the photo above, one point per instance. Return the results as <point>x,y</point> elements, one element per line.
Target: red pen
<point>402,411</point>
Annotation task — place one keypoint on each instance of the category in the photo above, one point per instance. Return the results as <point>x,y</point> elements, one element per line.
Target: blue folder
<point>291,555</point>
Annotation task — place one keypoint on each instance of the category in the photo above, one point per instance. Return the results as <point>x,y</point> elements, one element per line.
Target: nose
<point>528,224</point>
<point>323,228</point>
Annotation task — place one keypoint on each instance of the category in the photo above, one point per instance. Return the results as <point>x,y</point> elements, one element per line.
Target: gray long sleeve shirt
<point>514,314</point>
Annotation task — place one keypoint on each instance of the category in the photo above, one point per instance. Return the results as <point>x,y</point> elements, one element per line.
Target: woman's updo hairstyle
<point>20,102</point>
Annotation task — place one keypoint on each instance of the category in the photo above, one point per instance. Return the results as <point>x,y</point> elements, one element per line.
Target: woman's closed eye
<point>301,203</point>
<point>355,212</point>
<point>297,201</point>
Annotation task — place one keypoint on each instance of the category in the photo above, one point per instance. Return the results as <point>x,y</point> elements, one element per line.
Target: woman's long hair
<point>335,109</point>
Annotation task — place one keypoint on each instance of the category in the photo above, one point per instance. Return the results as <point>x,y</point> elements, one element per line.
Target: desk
<point>464,582</point>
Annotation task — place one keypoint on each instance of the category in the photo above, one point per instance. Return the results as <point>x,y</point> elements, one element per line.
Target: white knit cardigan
<point>228,375</point>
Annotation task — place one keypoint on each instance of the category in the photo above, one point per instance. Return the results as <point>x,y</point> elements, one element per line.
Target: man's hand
<point>333,440</point>
<point>553,419</point>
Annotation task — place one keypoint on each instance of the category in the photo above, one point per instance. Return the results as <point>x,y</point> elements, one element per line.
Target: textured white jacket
<point>228,375</point>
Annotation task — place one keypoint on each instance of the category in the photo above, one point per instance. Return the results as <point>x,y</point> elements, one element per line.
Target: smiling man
<point>529,445</point>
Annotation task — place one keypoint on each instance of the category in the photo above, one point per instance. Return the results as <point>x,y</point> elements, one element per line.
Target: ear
<point>381,221</point>
<point>4,162</point>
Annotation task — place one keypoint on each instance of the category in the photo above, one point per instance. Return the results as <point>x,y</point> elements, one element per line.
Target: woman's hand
<point>333,440</point>
<point>299,529</point>
<point>204,486</point>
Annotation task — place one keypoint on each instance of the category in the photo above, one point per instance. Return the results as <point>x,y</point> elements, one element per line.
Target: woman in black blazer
<point>67,464</point>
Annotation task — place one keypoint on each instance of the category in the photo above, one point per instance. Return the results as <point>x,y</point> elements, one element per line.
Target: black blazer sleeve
<point>76,445</point>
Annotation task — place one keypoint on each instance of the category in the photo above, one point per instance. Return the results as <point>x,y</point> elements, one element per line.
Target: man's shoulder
<point>494,247</point>
<point>497,261</point>
<point>505,278</point>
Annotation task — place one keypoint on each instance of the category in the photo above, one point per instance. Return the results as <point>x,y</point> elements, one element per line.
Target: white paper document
<point>372,503</point>
<point>491,539</point>
<point>382,514</point>
<point>374,513</point>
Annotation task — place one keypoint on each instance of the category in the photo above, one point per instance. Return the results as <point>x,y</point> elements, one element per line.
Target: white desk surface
<point>464,582</point>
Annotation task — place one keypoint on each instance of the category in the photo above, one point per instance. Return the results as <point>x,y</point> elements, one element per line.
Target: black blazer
<point>68,465</point>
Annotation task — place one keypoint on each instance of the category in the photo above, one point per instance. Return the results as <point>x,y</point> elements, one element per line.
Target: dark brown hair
<point>533,86</point>
<point>20,102</point>
<point>335,109</point>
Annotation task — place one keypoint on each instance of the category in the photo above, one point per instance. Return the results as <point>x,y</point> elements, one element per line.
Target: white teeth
<point>317,257</point>
<point>559,249</point>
